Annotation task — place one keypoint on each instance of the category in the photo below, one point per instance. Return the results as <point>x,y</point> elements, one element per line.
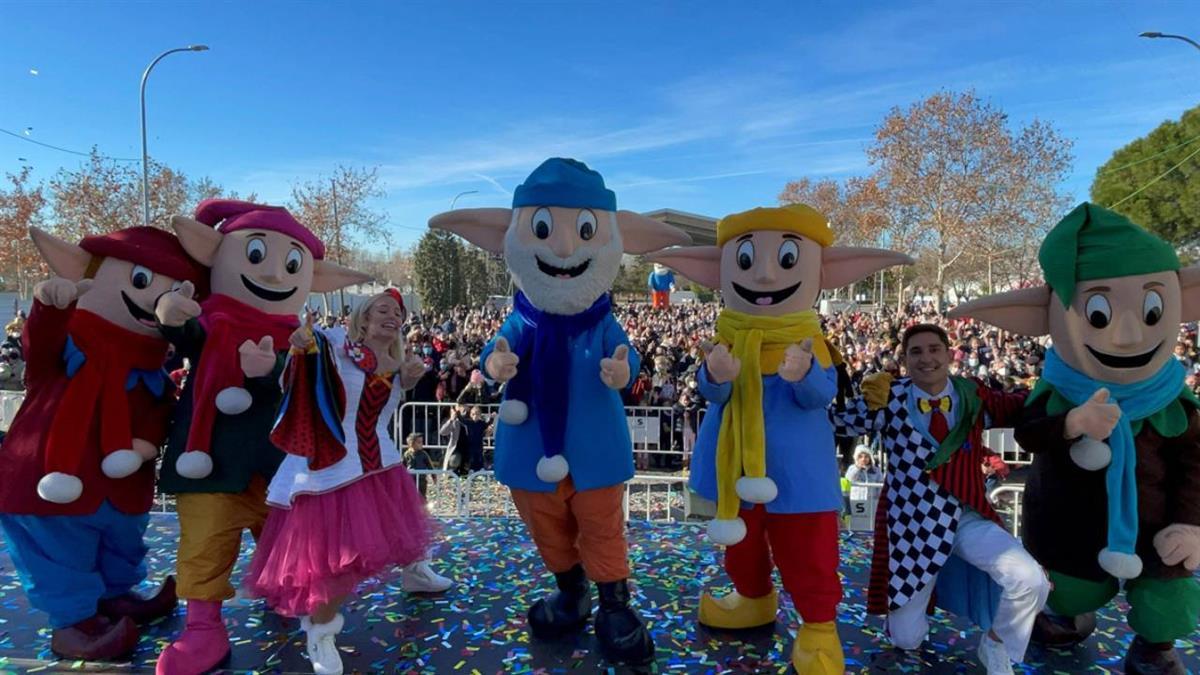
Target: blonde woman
<point>344,508</point>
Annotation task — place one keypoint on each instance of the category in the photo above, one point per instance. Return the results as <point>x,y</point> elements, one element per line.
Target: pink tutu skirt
<point>321,548</point>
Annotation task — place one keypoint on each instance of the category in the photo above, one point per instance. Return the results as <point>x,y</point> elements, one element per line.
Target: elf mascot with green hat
<point>1114,492</point>
<point>562,444</point>
<point>77,466</point>
<point>765,453</point>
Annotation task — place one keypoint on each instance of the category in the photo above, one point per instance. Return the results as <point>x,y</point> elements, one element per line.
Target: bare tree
<point>355,223</point>
<point>21,206</point>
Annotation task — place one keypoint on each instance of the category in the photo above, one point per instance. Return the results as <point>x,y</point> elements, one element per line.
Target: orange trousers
<point>570,527</point>
<point>660,299</point>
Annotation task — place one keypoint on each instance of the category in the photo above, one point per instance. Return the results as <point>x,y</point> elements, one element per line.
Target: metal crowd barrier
<point>1009,512</point>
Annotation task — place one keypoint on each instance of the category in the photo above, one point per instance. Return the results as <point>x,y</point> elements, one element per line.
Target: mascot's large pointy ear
<point>64,258</point>
<point>701,264</point>
<point>1189,286</point>
<point>199,240</point>
<point>1025,311</point>
<point>842,266</point>
<point>640,234</point>
<point>483,227</point>
<point>329,276</point>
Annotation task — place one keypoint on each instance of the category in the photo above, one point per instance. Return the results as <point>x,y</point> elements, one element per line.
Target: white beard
<point>564,296</point>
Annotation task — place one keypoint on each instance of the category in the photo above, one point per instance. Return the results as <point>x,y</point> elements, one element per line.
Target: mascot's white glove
<point>1179,543</point>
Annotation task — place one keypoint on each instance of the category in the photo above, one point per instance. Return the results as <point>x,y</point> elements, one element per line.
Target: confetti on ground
<point>479,625</point>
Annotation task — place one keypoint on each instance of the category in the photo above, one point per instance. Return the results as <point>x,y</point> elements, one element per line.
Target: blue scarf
<point>545,366</point>
<point>1137,401</point>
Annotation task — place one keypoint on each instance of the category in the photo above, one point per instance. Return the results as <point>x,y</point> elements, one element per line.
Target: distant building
<point>702,229</point>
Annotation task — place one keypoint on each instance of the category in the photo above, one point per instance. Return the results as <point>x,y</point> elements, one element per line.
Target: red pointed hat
<point>231,215</point>
<point>155,249</point>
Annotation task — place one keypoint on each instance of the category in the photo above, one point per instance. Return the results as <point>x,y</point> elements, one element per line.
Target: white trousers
<point>989,547</point>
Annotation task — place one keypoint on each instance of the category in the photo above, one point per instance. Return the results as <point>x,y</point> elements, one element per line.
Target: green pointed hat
<point>1095,243</point>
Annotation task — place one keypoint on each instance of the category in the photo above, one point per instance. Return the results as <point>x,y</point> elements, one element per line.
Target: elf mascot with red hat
<point>765,451</point>
<point>562,444</point>
<point>76,468</point>
<point>263,264</point>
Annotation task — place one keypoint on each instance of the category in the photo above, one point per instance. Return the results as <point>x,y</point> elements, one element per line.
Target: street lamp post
<point>461,194</point>
<point>1156,34</point>
<point>145,154</point>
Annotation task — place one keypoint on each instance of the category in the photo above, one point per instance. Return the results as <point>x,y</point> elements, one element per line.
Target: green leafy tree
<point>437,270</point>
<point>1165,166</point>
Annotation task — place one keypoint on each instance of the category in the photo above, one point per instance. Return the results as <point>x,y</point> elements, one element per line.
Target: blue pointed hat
<point>565,182</point>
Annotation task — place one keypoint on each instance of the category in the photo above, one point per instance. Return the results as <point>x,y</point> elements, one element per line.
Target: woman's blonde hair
<point>358,324</point>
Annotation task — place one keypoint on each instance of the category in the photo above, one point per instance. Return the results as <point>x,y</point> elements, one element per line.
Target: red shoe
<point>203,645</point>
<point>95,639</point>
<point>142,610</point>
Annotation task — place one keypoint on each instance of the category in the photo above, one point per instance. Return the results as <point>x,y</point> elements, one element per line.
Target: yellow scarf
<point>759,341</point>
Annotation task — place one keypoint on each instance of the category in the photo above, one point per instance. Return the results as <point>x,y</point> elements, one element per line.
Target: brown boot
<point>142,610</point>
<point>95,639</point>
<point>1062,632</point>
<point>1153,658</point>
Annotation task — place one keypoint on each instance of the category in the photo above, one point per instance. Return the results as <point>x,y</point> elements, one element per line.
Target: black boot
<point>1062,632</point>
<point>619,631</point>
<point>566,610</point>
<point>1152,658</point>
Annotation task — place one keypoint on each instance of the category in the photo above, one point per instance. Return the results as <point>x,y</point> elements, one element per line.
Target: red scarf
<point>227,324</point>
<point>96,392</point>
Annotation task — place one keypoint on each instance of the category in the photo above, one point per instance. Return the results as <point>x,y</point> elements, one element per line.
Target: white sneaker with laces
<point>322,649</point>
<point>994,657</point>
<point>419,577</point>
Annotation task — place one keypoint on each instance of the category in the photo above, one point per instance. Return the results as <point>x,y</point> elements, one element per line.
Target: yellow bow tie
<point>926,405</point>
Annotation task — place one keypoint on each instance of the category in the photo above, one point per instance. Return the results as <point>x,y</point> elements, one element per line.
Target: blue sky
<point>709,107</point>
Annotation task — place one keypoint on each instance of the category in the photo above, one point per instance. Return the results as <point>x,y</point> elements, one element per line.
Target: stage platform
<point>479,627</point>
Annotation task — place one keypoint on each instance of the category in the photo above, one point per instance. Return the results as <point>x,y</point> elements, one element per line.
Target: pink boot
<point>203,644</point>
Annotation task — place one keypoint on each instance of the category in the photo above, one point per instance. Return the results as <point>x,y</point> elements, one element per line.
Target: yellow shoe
<point>734,611</point>
<point>817,650</point>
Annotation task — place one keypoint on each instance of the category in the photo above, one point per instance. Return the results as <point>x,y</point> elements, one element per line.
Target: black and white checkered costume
<point>922,516</point>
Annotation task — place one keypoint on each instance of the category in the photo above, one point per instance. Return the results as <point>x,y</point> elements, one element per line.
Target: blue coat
<point>598,447</point>
<point>660,282</point>
<point>800,449</point>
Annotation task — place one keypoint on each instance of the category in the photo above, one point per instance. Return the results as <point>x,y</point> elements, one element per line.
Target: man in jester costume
<point>77,466</point>
<point>1113,497</point>
<point>765,451</point>
<point>660,282</point>
<point>562,444</point>
<point>262,264</point>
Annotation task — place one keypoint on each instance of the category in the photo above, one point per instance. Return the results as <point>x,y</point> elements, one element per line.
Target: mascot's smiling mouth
<point>562,272</point>
<point>142,316</point>
<point>266,293</point>
<point>1114,361</point>
<point>765,297</point>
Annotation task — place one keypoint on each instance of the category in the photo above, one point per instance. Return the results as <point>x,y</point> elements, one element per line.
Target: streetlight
<point>145,154</point>
<point>461,194</point>
<point>1156,34</point>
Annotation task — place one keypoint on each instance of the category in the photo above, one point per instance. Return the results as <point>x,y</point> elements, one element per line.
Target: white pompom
<point>60,488</point>
<point>1120,565</point>
<point>194,465</point>
<point>552,469</point>
<point>514,412</point>
<point>726,532</point>
<point>121,463</point>
<point>1091,454</point>
<point>233,400</point>
<point>757,490</point>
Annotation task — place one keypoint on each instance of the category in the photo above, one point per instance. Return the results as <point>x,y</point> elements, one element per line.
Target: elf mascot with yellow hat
<point>765,452</point>
<point>77,466</point>
<point>1114,492</point>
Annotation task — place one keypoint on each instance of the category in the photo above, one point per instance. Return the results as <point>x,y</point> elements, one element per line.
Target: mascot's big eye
<point>140,277</point>
<point>294,259</point>
<point>543,223</point>
<point>586,224</point>
<point>1152,308</point>
<point>1097,311</point>
<point>745,255</point>
<point>256,251</point>
<point>789,254</point>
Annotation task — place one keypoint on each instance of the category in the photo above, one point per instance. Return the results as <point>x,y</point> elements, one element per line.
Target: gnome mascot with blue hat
<point>1113,496</point>
<point>562,444</point>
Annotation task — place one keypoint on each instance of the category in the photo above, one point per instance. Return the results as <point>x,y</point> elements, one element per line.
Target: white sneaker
<point>994,656</point>
<point>322,650</point>
<point>419,577</point>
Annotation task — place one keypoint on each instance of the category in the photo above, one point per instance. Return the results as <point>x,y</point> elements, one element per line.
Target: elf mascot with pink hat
<point>765,451</point>
<point>562,444</point>
<point>263,264</point>
<point>77,466</point>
